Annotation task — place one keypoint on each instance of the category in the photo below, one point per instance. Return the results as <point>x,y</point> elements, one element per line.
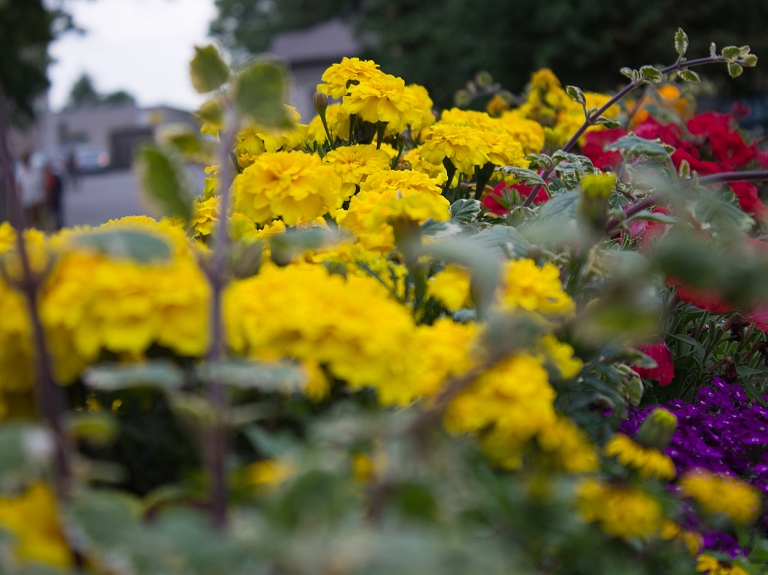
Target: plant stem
<point>49,395</point>
<point>216,440</point>
<point>726,177</point>
<point>613,224</point>
<point>592,119</point>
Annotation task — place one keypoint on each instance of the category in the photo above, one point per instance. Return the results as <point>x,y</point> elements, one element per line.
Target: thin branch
<point>613,224</point>
<point>216,440</point>
<point>592,119</point>
<point>727,177</point>
<point>49,395</point>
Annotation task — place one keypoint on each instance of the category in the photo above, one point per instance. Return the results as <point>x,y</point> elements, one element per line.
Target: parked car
<point>91,159</point>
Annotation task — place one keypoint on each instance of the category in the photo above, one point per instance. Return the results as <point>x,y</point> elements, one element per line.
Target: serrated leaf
<point>121,244</point>
<point>681,42</point>
<point>465,211</point>
<point>628,72</point>
<point>207,70</point>
<point>261,92</point>
<point>749,61</point>
<point>268,377</point>
<point>563,206</point>
<point>743,51</point>
<point>576,95</point>
<point>164,183</point>
<point>524,175</point>
<point>633,145</point>
<point>723,218</point>
<point>651,74</point>
<point>112,377</point>
<point>690,76</point>
<point>610,123</point>
<point>435,229</point>
<point>731,53</point>
<point>734,70</point>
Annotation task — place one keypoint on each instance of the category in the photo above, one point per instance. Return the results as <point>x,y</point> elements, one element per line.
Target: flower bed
<point>525,339</point>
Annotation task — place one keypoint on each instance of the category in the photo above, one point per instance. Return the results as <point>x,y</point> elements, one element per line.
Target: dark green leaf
<point>752,391</point>
<point>576,95</point>
<point>633,145</point>
<point>651,74</point>
<point>681,42</point>
<point>207,70</point>
<point>690,76</point>
<point>269,377</point>
<point>659,218</point>
<point>501,240</point>
<point>731,53</point>
<point>164,183</point>
<point>261,92</point>
<point>465,211</point>
<point>140,246</point>
<point>560,207</point>
<point>628,72</point>
<point>111,377</point>
<point>610,123</point>
<point>734,70</point>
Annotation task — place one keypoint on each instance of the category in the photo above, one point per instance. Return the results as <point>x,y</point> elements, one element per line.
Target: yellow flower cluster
<point>293,186</point>
<point>255,140</point>
<point>351,327</point>
<point>620,511</point>
<point>338,125</point>
<point>355,163</point>
<point>566,447</point>
<point>719,494</point>
<point>649,462</point>
<point>533,288</point>
<point>708,564</point>
<point>31,519</point>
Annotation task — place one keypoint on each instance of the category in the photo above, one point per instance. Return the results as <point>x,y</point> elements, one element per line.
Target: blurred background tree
<point>27,27</point>
<point>84,94</point>
<point>443,43</point>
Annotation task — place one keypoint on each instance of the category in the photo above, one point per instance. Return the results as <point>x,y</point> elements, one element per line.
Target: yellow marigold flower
<point>204,216</point>
<point>503,150</point>
<point>527,132</point>
<point>255,140</point>
<point>390,195</point>
<point>383,98</point>
<point>444,349</point>
<point>435,171</point>
<point>561,355</point>
<point>337,77</point>
<point>363,467</point>
<point>330,324</point>
<point>514,400</point>
<point>693,541</point>
<point>544,80</point>
<point>451,288</point>
<point>424,106</point>
<point>530,287</point>
<point>288,185</point>
<point>462,145</point>
<point>650,462</point>
<point>31,518</point>
<point>471,118</point>
<point>317,386</point>
<point>723,495</point>
<point>269,472</point>
<point>622,512</point>
<point>496,106</point>
<point>211,181</point>
<point>711,566</point>
<point>355,163</point>
<point>338,125</point>
<point>565,446</point>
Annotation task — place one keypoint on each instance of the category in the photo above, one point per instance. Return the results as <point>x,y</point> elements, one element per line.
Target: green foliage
<point>143,247</point>
<point>207,70</point>
<point>164,182</point>
<point>261,92</point>
<point>84,94</point>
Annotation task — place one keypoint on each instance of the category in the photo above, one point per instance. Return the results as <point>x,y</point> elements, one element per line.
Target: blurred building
<point>308,53</point>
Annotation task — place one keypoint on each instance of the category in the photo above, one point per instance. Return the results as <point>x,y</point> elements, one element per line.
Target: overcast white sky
<point>142,46</point>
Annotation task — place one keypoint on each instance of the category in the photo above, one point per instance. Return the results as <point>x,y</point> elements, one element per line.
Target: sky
<point>141,46</point>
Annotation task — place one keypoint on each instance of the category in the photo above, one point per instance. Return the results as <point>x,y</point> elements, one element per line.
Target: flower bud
<point>593,199</point>
<point>657,429</point>
<point>598,185</point>
<point>320,102</point>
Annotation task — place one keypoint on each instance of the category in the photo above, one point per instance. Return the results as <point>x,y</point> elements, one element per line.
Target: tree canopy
<point>444,43</point>
<point>84,93</point>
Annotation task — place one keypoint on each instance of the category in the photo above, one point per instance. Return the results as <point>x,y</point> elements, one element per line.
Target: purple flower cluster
<point>722,431</point>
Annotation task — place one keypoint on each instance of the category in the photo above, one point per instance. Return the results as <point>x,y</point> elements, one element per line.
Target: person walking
<point>29,181</point>
<point>53,192</point>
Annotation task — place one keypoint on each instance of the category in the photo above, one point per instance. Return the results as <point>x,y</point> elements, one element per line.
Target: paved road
<point>99,198</point>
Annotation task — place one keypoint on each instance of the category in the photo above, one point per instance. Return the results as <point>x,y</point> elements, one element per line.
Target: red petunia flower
<point>664,372</point>
<point>491,203</point>
<point>594,148</point>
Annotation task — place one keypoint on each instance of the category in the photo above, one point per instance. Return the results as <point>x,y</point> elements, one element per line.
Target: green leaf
<point>268,377</point>
<point>731,53</point>
<point>734,70</point>
<point>140,246</point>
<point>633,145</point>
<point>651,74</point>
<point>753,392</point>
<point>722,217</point>
<point>25,450</point>
<point>628,72</point>
<point>648,216</point>
<point>207,70</point>
<point>501,240</point>
<point>560,207</point>
<point>465,211</point>
<point>112,377</point>
<point>164,183</point>
<point>681,42</point>
<point>576,95</point>
<point>523,175</point>
<point>435,229</point>
<point>749,61</point>
<point>261,92</point>
<point>610,123</point>
<point>99,428</point>
<point>690,76</point>
<point>285,247</point>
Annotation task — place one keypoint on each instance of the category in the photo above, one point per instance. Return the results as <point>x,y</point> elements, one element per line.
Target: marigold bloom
<point>561,355</point>
<point>204,215</point>
<point>722,494</point>
<point>651,463</point>
<point>451,288</point>
<point>622,512</point>
<point>355,163</point>
<point>711,566</point>
<point>423,105</point>
<point>383,98</point>
<point>462,145</point>
<point>444,349</point>
<point>338,125</point>
<point>435,171</point>
<point>329,324</point>
<point>565,446</point>
<point>291,185</point>
<point>527,132</point>
<point>31,518</point>
<point>338,77</point>
<point>534,288</point>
